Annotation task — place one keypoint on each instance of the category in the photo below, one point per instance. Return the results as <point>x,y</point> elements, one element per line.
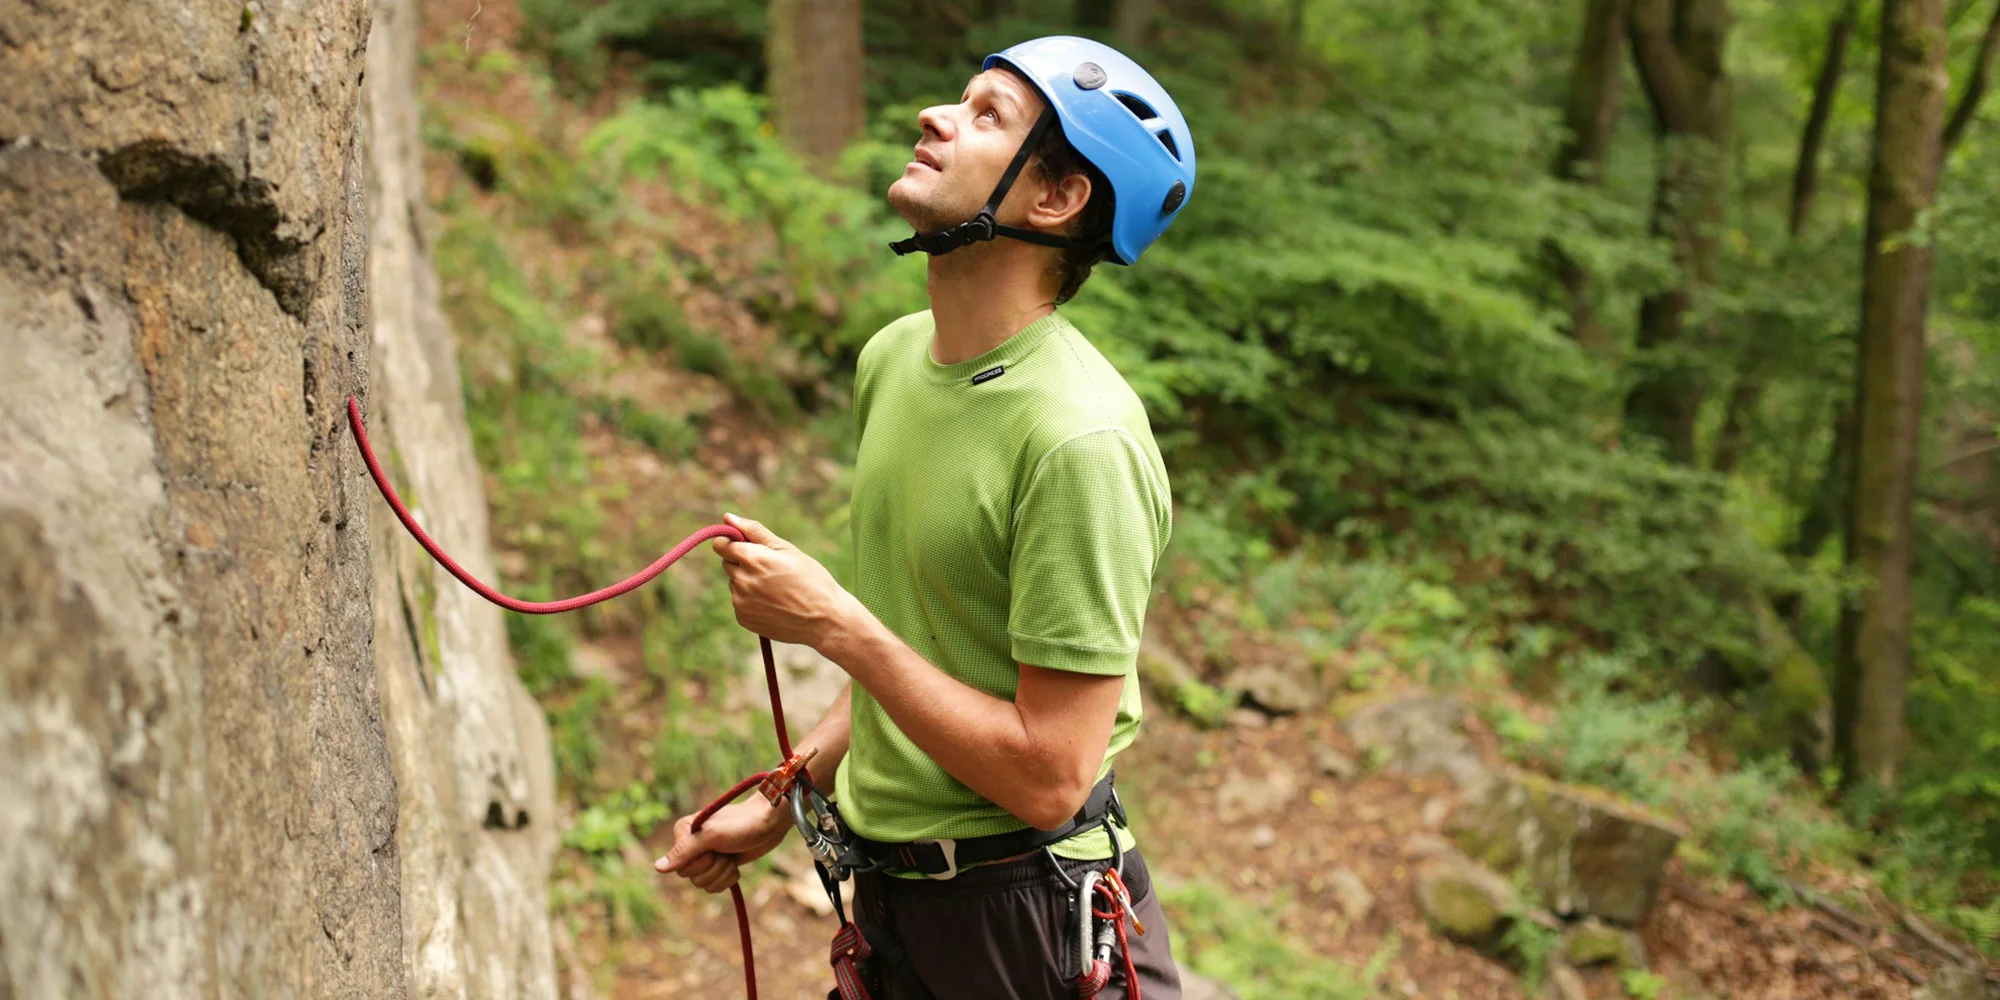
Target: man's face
<point>964,150</point>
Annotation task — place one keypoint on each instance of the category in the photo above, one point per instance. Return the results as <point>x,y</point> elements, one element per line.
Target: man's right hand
<point>735,836</point>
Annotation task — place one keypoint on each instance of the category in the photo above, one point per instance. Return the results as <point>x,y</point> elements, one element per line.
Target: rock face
<point>475,783</point>
<point>196,797</point>
<point>1585,854</point>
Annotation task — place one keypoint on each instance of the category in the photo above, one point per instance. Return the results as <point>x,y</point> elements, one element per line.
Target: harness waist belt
<point>943,858</point>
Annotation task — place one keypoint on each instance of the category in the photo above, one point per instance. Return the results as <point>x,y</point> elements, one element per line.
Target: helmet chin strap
<point>983,226</point>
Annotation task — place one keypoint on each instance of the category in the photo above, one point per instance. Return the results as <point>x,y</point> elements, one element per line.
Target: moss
<point>427,620</point>
<point>1462,911</point>
<point>1594,942</point>
<point>1204,704</point>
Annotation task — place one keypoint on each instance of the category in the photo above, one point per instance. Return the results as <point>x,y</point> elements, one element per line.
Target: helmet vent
<point>1167,140</point>
<point>1138,107</point>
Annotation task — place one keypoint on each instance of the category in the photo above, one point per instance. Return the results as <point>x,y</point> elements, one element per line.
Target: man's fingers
<point>753,531</point>
<point>688,845</point>
<point>699,865</point>
<point>719,877</point>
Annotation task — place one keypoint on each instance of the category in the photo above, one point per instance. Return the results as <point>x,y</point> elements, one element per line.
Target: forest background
<point>1631,367</point>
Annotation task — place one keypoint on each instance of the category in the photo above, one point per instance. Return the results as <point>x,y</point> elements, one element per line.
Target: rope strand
<point>620,588</point>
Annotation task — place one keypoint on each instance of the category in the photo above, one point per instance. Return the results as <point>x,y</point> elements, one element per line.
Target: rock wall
<point>476,786</point>
<point>196,796</point>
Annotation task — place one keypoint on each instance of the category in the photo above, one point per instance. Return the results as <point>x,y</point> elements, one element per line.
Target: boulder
<point>1273,689</point>
<point>1199,987</point>
<point>1333,763</point>
<point>1243,798</point>
<point>1586,853</point>
<point>1564,983</point>
<point>1418,734</point>
<point>1163,669</point>
<point>1593,942</point>
<point>1352,895</point>
<point>1245,718</point>
<point>1464,900</point>
<point>1957,983</point>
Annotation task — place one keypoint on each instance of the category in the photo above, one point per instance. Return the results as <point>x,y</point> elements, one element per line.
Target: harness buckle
<point>947,850</point>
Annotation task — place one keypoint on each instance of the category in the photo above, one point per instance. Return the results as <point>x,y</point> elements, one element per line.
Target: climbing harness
<point>838,853</point>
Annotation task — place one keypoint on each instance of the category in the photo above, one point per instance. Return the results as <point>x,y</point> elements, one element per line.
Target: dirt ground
<point>1704,940</point>
<point>1278,850</point>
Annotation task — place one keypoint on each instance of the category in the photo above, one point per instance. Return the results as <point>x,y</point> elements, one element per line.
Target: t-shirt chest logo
<point>989,374</point>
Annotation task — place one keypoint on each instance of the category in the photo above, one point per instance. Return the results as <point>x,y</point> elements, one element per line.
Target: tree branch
<point>1975,88</point>
<point>1805,179</point>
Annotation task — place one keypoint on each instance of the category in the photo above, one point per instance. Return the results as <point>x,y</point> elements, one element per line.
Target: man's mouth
<point>923,156</point>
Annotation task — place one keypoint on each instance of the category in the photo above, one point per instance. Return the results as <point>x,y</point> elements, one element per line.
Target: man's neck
<point>985,293</point>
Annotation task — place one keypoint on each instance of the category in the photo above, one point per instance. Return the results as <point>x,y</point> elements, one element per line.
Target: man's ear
<point>1057,205</point>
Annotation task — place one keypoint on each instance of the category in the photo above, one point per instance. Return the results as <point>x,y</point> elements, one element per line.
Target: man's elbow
<point>1057,803</point>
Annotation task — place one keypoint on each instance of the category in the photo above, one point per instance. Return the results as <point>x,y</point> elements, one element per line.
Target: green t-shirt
<point>1007,509</point>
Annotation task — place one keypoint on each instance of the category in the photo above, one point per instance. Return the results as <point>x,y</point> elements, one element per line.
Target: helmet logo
<point>1089,76</point>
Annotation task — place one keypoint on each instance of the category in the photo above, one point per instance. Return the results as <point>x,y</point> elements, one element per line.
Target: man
<point>1009,510</point>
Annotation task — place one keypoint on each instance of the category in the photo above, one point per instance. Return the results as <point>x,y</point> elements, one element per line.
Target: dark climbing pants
<point>1005,931</point>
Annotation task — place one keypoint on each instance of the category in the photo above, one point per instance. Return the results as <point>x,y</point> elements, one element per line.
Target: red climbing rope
<point>794,766</point>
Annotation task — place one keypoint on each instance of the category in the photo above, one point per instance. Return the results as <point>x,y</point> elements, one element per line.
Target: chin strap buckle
<point>975,230</point>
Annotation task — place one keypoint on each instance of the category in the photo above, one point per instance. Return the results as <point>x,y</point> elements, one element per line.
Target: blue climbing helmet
<point>1118,118</point>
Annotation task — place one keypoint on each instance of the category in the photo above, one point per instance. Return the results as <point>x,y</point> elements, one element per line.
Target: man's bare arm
<point>1036,756</point>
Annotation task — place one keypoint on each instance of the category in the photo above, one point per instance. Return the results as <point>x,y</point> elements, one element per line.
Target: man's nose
<point>936,120</point>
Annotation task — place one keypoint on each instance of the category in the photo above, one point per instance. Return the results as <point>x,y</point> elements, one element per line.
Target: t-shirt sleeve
<point>1088,532</point>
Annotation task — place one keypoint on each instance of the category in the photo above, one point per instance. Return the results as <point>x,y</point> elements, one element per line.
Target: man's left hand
<point>780,593</point>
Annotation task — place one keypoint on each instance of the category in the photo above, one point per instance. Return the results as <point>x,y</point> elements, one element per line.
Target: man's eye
<point>990,113</point>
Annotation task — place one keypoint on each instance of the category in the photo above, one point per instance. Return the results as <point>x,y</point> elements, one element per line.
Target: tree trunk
<point>815,61</point>
<point>1975,88</point>
<point>1592,108</point>
<point>1805,178</point>
<point>1133,22</point>
<point>1096,13</point>
<point>1896,276</point>
<point>1678,49</point>
<point>197,795</point>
